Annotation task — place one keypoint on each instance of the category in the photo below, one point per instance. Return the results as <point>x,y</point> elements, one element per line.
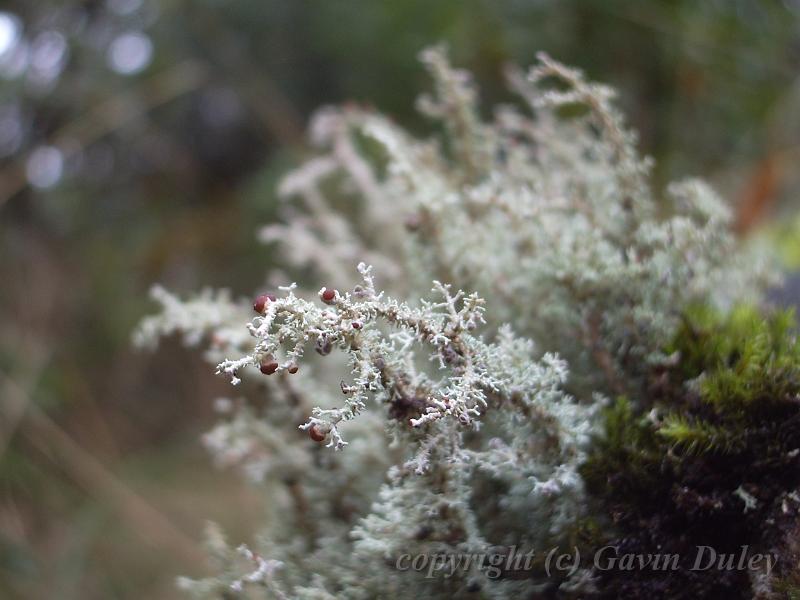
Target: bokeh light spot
<point>130,53</point>
<point>44,167</point>
<point>10,29</point>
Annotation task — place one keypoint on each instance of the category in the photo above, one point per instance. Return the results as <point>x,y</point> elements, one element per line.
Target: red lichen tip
<point>328,295</point>
<point>261,302</point>
<point>268,367</point>
<point>315,434</point>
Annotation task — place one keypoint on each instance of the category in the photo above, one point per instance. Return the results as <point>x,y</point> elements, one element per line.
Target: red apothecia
<point>315,434</point>
<point>261,302</point>
<point>268,366</point>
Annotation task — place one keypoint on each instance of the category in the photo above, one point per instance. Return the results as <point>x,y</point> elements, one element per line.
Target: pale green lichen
<point>459,433</point>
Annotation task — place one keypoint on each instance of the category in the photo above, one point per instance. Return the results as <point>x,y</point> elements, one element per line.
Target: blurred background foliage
<point>141,142</point>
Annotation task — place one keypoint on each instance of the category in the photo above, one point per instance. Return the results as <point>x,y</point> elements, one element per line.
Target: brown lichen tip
<point>268,366</point>
<point>315,434</point>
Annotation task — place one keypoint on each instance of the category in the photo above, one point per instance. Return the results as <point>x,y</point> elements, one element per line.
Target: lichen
<point>464,412</point>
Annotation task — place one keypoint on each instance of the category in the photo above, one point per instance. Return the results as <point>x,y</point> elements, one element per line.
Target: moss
<point>785,237</point>
<point>727,438</point>
<point>626,459</point>
<point>748,361</point>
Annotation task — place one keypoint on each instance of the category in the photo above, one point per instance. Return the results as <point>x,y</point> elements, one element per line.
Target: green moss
<point>729,420</point>
<point>709,340</point>
<point>698,436</point>
<point>628,447</point>
<point>746,369</point>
